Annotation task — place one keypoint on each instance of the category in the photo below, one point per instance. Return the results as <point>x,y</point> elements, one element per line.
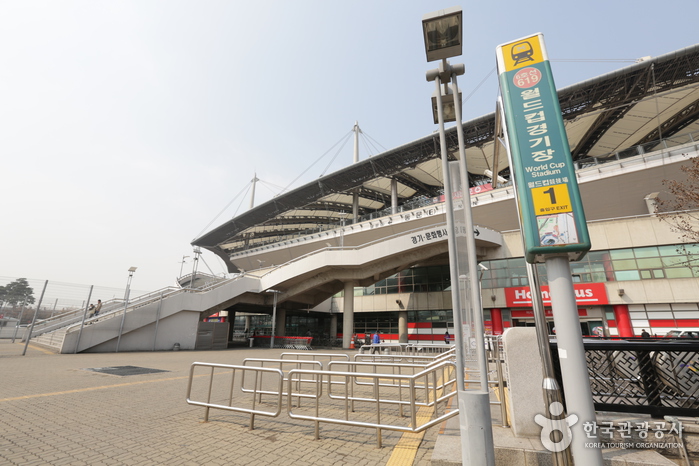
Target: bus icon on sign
<point>522,52</point>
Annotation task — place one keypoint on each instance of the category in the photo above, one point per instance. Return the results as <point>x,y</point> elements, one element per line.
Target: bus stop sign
<point>551,212</point>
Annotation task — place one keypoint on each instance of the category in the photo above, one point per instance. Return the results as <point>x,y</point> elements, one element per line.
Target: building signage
<point>586,294</point>
<point>551,212</point>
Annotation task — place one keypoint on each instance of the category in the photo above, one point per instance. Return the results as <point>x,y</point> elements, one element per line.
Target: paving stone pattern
<point>54,411</point>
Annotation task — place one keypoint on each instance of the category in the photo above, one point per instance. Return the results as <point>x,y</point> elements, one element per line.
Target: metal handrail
<point>253,409</point>
<point>434,391</point>
<point>314,356</point>
<point>437,392</point>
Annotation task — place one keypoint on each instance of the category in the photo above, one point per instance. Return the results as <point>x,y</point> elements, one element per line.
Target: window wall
<point>654,262</point>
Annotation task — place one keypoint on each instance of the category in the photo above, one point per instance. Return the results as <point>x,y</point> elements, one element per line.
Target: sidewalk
<point>514,451</point>
<point>55,411</point>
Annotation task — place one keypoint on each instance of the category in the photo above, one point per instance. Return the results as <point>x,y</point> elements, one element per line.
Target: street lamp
<point>126,304</point>
<point>443,39</point>
<point>182,265</point>
<point>443,33</point>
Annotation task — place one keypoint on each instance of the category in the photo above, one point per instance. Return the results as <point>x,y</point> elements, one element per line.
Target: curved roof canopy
<point>656,98</point>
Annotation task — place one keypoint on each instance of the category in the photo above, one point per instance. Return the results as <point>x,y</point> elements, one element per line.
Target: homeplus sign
<point>551,212</point>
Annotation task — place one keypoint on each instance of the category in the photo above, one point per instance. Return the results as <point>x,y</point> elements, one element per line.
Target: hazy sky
<point>126,127</point>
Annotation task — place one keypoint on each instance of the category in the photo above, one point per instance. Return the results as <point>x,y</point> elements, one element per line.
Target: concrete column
<point>623,320</point>
<point>280,324</point>
<point>496,321</point>
<point>402,326</point>
<point>348,315</point>
<point>394,196</point>
<point>333,326</point>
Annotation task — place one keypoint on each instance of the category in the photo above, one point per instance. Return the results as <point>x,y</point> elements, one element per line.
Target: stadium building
<point>364,248</point>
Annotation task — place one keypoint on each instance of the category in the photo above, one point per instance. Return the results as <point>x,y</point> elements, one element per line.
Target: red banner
<point>586,294</point>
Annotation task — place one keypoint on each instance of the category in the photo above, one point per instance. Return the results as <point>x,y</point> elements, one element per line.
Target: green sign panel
<point>551,212</point>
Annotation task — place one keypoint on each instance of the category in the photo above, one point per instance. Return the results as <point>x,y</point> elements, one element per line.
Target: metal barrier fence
<point>404,348</point>
<point>383,401</point>
<point>297,343</point>
<point>652,377</point>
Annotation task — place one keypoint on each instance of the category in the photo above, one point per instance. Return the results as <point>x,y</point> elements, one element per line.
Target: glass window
<point>674,261</point>
<point>627,275</point>
<point>624,265</point>
<point>621,254</point>
<point>646,252</point>
<point>658,273</point>
<point>678,272</point>
<point>669,250</point>
<point>649,263</point>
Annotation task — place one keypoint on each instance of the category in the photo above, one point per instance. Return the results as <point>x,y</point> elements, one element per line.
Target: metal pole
<point>274,320</point>
<point>472,272</point>
<point>252,194</point>
<point>19,321</point>
<point>54,307</point>
<point>31,329</point>
<point>182,266</point>
<point>126,304</point>
<point>157,319</point>
<point>551,389</point>
<point>82,323</point>
<point>571,352</point>
<point>474,405</point>
<point>451,243</point>
<point>194,268</point>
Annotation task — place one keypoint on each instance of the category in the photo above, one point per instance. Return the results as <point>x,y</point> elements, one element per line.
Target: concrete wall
<point>178,328</point>
<point>524,380</point>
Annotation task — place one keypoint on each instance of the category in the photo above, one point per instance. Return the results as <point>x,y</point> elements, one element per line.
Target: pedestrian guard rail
<point>297,343</point>
<point>400,397</point>
<point>404,348</point>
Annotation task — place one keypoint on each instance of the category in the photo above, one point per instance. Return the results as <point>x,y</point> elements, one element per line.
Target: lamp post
<point>182,266</point>
<point>126,304</point>
<point>443,39</point>
<point>195,261</point>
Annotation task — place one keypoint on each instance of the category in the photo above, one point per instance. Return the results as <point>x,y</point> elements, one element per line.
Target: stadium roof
<point>650,100</point>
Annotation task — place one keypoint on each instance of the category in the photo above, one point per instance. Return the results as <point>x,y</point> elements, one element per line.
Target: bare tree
<point>681,208</point>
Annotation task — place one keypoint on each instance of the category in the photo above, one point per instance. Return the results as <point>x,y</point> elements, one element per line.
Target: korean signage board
<point>551,212</point>
<point>586,294</point>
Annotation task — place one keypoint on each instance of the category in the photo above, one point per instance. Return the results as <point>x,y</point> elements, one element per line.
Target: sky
<point>129,128</point>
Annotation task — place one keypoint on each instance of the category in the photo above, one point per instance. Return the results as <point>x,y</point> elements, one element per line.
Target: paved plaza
<point>56,409</point>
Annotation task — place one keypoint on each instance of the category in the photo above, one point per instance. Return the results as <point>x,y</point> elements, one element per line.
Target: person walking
<point>645,334</point>
<point>447,337</point>
<point>375,340</point>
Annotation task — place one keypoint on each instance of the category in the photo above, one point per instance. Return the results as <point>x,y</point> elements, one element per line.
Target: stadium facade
<point>364,248</point>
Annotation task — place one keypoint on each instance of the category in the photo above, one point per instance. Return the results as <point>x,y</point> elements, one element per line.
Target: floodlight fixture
<point>448,109</point>
<point>443,33</point>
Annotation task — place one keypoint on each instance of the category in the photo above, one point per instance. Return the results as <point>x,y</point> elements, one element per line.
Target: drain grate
<point>125,370</point>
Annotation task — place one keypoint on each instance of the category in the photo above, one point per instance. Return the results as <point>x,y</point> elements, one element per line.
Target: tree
<point>681,210</point>
<point>18,291</point>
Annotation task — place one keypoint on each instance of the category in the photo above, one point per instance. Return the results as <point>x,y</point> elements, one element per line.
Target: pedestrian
<point>92,311</point>
<point>447,337</point>
<point>375,340</point>
<point>98,308</point>
<point>645,334</point>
